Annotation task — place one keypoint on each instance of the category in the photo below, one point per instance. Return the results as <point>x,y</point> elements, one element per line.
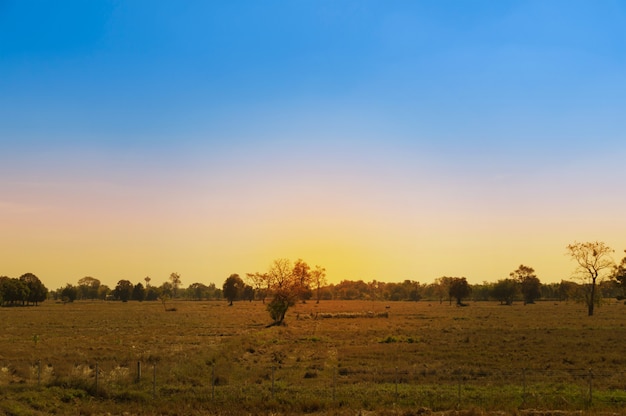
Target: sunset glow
<point>380,141</point>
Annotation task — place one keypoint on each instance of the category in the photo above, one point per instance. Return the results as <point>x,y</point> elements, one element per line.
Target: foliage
<point>619,274</point>
<point>233,287</point>
<point>123,291</point>
<point>505,291</point>
<point>37,292</point>
<point>593,261</point>
<point>459,289</point>
<point>176,282</point>
<point>530,285</point>
<point>139,293</point>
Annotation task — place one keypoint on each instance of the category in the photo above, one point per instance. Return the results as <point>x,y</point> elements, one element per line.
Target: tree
<point>286,288</point>
<point>594,260</point>
<point>441,288</point>
<point>123,291</point>
<point>619,274</point>
<point>14,291</point>
<point>69,293</point>
<point>37,291</point>
<point>318,277</point>
<point>198,291</point>
<point>260,282</point>
<point>459,289</point>
<point>529,283</point>
<point>505,291</point>
<point>302,275</point>
<point>233,287</point>
<point>139,293</point>
<point>88,287</point>
<point>175,280</point>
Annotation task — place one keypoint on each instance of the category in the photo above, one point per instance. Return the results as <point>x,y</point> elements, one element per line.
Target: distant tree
<point>233,287</point>
<point>260,282</point>
<point>247,293</point>
<point>301,273</point>
<point>505,291</point>
<point>88,287</point>
<point>152,293</point>
<point>459,289</point>
<point>37,291</point>
<point>103,292</point>
<point>482,292</point>
<point>619,274</point>
<point>166,289</point>
<point>568,290</point>
<point>176,282</point>
<point>14,291</point>
<point>441,288</point>
<point>529,283</point>
<point>285,289</point>
<point>69,293</point>
<point>139,293</point>
<point>318,277</point>
<point>123,291</point>
<point>198,291</point>
<point>594,261</point>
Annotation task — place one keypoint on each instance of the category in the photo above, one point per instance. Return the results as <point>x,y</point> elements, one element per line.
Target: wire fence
<point>336,385</point>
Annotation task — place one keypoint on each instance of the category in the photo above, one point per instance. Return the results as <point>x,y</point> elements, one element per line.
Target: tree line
<point>596,276</point>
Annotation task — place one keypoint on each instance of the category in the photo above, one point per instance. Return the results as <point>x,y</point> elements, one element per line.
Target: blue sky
<point>474,103</point>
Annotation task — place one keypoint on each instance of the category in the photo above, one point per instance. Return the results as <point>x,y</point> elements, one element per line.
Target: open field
<point>332,358</point>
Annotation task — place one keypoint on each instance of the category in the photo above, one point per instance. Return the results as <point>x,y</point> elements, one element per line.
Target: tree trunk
<point>592,297</point>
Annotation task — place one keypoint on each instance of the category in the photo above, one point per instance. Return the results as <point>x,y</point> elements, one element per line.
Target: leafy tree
<point>247,293</point>
<point>594,260</point>
<point>505,291</point>
<point>123,291</point>
<point>441,288</point>
<point>176,282</point>
<point>619,274</point>
<point>286,288</point>
<point>233,287</point>
<point>152,293</point>
<point>529,283</point>
<point>260,282</point>
<point>198,291</point>
<point>88,287</point>
<point>318,277</point>
<point>459,289</point>
<point>14,291</point>
<point>139,293</point>
<point>166,289</point>
<point>37,292</point>
<point>301,273</point>
<point>69,293</point>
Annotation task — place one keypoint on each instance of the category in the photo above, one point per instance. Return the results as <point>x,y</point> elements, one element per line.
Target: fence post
<point>272,382</point>
<point>590,386</point>
<point>459,390</point>
<point>38,372</point>
<point>396,383</point>
<point>523,386</point>
<point>213,381</point>
<point>154,381</point>
<point>334,382</point>
<point>138,371</point>
<point>97,371</point>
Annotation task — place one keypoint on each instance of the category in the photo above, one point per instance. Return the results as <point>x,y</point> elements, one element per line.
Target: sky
<point>382,140</point>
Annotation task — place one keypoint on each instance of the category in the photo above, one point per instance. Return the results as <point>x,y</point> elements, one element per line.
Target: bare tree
<point>175,280</point>
<point>319,279</point>
<point>594,261</point>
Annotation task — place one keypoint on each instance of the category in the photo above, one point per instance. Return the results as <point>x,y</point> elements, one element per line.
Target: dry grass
<point>331,358</point>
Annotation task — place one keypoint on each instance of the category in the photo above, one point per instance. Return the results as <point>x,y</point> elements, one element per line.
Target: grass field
<point>336,357</point>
